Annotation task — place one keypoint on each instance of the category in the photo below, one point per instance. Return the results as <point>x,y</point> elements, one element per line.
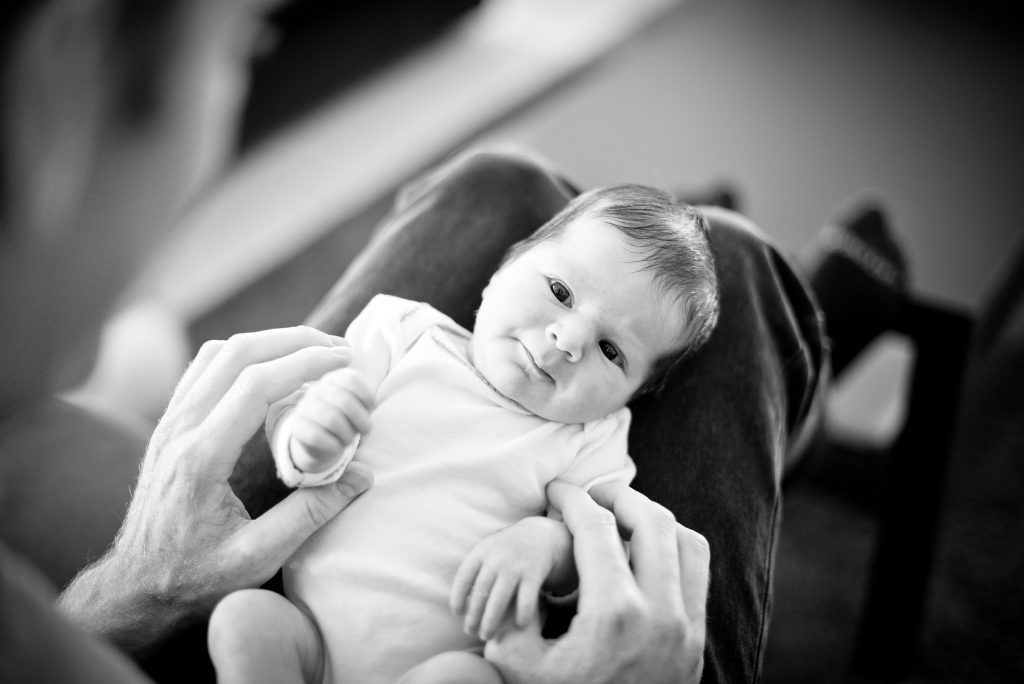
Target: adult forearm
<point>109,600</point>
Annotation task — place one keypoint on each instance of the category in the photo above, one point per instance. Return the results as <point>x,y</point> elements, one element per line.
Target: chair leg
<point>890,625</point>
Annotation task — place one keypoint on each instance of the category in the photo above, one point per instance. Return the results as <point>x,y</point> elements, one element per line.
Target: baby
<point>468,429</point>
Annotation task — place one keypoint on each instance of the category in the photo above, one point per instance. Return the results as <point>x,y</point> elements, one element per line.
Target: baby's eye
<point>609,350</point>
<point>560,291</point>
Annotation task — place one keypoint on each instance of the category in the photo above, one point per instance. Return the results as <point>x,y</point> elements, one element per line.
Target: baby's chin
<point>554,411</point>
<point>572,415</point>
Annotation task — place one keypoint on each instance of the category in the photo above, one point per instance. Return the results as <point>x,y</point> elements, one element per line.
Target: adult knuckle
<point>697,543</point>
<point>672,623</point>
<point>245,553</point>
<point>236,348</point>
<point>600,519</point>
<point>309,331</point>
<point>178,449</point>
<point>250,381</point>
<point>210,348</point>
<point>662,518</point>
<point>624,610</point>
<point>189,446</point>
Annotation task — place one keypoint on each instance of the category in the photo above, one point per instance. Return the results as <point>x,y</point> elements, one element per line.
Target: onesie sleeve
<point>603,457</point>
<point>380,336</point>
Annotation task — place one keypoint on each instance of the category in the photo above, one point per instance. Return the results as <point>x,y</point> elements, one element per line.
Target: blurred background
<point>805,108</point>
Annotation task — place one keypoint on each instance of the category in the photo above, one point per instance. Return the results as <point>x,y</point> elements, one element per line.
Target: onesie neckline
<point>462,356</point>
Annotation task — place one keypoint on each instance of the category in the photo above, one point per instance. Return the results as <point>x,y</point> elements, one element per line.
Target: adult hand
<point>645,625</point>
<point>187,540</point>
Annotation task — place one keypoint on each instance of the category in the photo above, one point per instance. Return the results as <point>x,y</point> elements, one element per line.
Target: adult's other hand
<point>187,540</point>
<point>645,625</point>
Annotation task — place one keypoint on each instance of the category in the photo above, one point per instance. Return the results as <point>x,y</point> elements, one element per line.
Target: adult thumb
<point>284,528</point>
<point>518,652</point>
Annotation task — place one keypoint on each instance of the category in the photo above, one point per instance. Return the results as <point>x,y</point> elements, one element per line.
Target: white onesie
<point>454,461</point>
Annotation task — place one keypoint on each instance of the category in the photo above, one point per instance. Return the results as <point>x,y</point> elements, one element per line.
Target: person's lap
<point>711,447</point>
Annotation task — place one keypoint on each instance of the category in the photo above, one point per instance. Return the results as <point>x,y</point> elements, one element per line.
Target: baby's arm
<point>311,437</point>
<point>509,569</point>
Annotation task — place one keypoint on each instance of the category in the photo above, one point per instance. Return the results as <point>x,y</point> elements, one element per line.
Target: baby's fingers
<point>346,387</point>
<point>343,420</point>
<point>502,592</point>
<point>527,600</point>
<point>465,577</point>
<point>320,446</point>
<point>478,600</point>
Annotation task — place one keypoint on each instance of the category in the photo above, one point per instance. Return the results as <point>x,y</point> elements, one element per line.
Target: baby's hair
<point>672,241</point>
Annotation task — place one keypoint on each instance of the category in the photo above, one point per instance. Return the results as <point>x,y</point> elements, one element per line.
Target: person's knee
<point>453,667</point>
<point>489,174</point>
<point>500,160</point>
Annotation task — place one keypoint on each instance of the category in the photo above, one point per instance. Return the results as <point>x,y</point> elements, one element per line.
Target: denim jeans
<point>713,446</point>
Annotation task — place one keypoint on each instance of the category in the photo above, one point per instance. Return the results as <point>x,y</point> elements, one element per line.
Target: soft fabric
<point>453,462</point>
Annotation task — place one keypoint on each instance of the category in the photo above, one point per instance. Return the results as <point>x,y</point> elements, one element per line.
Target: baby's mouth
<point>533,366</point>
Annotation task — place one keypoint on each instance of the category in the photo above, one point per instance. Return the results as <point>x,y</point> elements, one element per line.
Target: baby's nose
<point>568,337</point>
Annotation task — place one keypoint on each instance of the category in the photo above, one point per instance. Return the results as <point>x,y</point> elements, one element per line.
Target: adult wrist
<point>108,600</point>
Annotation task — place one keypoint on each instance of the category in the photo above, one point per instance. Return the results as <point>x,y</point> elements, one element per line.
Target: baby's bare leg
<point>453,667</point>
<point>259,636</point>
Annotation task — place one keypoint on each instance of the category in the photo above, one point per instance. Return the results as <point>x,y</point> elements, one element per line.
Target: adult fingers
<point>653,548</point>
<point>228,360</point>
<point>597,548</point>
<point>519,653</point>
<point>695,567</point>
<point>277,534</point>
<point>527,600</point>
<point>243,408</point>
<point>199,364</point>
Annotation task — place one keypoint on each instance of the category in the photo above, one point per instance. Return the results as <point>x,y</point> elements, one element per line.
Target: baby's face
<point>571,328</point>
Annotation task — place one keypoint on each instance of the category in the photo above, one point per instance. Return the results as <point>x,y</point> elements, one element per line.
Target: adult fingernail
<point>358,478</point>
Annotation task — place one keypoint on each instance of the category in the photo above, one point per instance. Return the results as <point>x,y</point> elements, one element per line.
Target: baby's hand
<point>506,570</point>
<point>329,416</point>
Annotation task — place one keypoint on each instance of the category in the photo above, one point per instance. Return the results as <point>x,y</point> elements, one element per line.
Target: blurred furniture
<point>914,477</point>
<point>320,47</point>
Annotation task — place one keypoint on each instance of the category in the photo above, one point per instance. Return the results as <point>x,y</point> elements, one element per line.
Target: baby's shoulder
<point>412,317</point>
<point>614,425</point>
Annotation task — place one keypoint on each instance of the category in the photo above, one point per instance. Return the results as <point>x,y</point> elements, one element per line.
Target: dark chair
<point>914,476</point>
